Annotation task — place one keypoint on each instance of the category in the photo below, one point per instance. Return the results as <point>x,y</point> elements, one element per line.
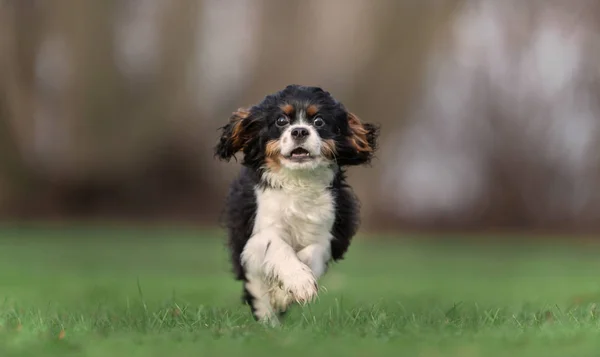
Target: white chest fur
<point>301,208</point>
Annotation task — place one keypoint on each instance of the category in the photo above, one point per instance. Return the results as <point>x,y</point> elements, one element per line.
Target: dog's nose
<point>300,133</point>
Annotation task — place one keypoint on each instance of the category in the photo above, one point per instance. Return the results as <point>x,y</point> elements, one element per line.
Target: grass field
<point>168,292</point>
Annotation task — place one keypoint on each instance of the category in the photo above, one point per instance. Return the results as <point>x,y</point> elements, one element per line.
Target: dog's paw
<point>300,284</point>
<point>280,299</point>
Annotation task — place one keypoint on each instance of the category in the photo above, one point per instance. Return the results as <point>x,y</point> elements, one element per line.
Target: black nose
<point>300,133</point>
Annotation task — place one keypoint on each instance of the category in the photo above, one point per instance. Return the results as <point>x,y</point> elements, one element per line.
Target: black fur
<point>254,131</point>
<point>347,219</point>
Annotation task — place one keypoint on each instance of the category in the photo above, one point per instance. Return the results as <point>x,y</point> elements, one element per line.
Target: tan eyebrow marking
<point>312,110</point>
<point>287,109</point>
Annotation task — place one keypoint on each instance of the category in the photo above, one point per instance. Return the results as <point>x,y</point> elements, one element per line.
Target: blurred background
<point>490,110</point>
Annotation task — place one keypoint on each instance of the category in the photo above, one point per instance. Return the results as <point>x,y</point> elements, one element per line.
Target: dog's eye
<point>282,121</point>
<point>318,122</point>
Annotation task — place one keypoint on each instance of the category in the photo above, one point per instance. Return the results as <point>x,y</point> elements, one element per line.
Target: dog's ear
<point>236,134</point>
<point>363,136</point>
<point>361,142</point>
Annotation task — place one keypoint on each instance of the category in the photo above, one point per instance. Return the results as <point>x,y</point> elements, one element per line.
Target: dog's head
<point>298,128</point>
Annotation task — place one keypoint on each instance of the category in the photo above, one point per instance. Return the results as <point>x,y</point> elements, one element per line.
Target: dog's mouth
<point>300,154</point>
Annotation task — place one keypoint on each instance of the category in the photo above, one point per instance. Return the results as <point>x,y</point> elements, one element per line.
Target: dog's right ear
<point>236,134</point>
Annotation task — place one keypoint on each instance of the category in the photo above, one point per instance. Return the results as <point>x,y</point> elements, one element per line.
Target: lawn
<point>112,292</point>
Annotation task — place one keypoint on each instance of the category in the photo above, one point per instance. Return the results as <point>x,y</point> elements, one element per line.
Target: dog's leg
<point>256,294</point>
<point>316,257</point>
<point>268,256</point>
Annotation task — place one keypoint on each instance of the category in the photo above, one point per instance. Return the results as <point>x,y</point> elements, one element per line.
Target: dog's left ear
<point>361,142</point>
<point>237,134</point>
<point>363,136</point>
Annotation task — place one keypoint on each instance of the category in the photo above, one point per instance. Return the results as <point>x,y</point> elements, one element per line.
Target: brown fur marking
<point>237,135</point>
<point>328,149</point>
<point>312,110</point>
<point>272,149</point>
<point>288,109</point>
<point>272,152</point>
<point>358,139</point>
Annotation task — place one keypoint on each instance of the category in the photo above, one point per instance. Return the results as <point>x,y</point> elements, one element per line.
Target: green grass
<point>168,292</point>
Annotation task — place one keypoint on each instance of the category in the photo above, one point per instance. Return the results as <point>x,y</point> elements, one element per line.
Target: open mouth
<point>300,154</point>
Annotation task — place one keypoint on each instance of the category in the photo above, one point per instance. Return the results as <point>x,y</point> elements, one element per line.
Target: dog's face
<point>298,128</point>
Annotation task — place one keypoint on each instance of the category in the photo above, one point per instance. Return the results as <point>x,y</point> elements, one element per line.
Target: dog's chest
<point>301,215</point>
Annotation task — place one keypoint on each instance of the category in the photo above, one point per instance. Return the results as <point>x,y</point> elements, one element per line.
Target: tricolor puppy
<point>290,211</point>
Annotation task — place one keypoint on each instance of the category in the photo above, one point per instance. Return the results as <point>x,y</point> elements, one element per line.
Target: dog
<point>290,212</point>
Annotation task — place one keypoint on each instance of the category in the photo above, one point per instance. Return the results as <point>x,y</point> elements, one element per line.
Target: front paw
<point>280,299</point>
<point>300,284</point>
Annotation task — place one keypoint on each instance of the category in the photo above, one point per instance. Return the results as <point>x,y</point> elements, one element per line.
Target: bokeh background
<point>490,110</point>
